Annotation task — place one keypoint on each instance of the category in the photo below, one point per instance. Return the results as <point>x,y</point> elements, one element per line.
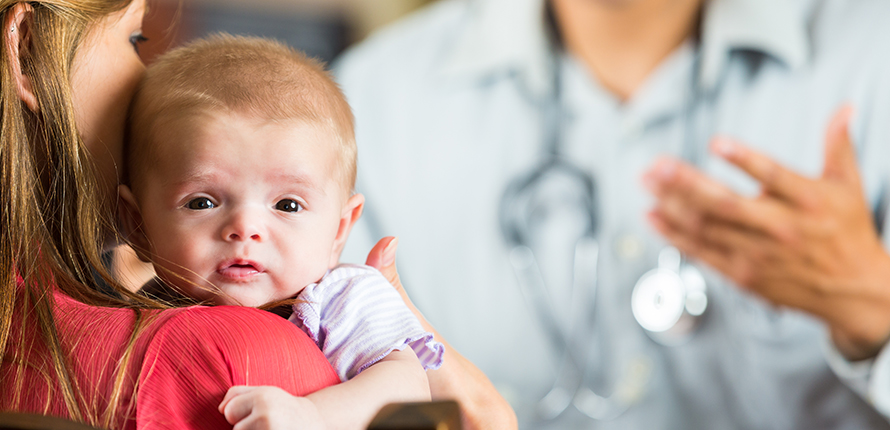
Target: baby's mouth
<point>240,269</point>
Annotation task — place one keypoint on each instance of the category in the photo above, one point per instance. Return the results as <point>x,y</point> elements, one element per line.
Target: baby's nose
<point>242,228</point>
<point>243,236</point>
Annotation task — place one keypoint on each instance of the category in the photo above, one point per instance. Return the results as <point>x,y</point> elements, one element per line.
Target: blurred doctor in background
<point>510,145</point>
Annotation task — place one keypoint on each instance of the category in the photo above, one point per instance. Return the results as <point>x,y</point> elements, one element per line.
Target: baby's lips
<point>240,269</point>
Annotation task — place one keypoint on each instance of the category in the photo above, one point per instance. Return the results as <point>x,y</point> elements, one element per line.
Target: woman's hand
<point>804,243</point>
<point>458,379</point>
<point>268,408</point>
<point>383,258</point>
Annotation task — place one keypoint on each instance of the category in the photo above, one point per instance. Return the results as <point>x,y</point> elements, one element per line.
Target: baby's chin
<point>250,301</point>
<point>228,295</point>
<point>226,300</point>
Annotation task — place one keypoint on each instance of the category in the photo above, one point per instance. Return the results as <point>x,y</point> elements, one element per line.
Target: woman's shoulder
<point>196,354</point>
<point>235,340</point>
<point>229,333</point>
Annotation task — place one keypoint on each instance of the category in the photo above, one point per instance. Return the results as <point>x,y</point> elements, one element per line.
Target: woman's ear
<point>352,211</point>
<point>130,222</point>
<point>17,38</point>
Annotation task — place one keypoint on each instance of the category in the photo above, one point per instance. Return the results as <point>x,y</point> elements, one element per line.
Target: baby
<point>241,167</point>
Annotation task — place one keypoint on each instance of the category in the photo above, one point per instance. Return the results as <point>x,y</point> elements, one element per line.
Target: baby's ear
<point>130,222</point>
<point>352,211</point>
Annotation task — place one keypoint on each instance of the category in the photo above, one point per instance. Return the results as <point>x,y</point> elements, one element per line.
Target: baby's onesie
<point>356,317</point>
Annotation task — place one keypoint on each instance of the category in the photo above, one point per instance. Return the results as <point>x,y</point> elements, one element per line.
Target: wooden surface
<point>443,415</point>
<point>17,421</point>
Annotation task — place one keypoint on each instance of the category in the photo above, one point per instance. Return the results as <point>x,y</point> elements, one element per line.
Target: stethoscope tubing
<point>516,230</point>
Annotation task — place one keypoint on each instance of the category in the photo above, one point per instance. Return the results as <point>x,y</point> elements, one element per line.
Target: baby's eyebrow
<point>292,177</point>
<point>195,177</point>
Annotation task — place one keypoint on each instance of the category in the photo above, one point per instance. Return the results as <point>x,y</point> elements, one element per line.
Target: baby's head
<point>240,171</point>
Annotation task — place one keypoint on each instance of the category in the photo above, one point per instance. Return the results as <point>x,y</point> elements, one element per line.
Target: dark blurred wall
<point>168,24</point>
<point>320,36</point>
<point>321,28</point>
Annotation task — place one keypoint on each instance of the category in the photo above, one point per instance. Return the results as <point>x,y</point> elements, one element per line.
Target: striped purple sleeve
<point>356,317</point>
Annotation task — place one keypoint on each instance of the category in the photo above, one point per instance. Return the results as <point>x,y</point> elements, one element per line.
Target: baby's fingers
<point>233,391</point>
<point>252,422</point>
<point>235,406</point>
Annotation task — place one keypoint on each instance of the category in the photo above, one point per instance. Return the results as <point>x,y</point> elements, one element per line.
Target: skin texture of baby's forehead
<point>175,136</point>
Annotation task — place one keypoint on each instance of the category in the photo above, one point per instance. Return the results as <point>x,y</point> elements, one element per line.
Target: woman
<point>67,73</point>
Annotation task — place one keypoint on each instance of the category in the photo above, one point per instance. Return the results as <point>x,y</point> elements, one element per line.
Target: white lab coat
<point>448,107</point>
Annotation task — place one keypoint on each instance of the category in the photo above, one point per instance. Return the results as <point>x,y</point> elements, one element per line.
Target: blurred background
<point>321,28</point>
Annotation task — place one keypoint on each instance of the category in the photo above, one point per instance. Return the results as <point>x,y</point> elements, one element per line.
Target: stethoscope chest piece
<point>668,301</point>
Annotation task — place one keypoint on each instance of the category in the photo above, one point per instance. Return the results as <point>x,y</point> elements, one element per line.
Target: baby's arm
<point>355,316</point>
<point>398,377</point>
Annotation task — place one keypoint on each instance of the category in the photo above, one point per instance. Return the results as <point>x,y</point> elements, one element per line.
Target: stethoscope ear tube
<point>521,197</point>
<point>520,200</point>
<point>666,302</point>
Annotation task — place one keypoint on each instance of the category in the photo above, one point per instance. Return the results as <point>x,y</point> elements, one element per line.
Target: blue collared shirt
<point>450,108</point>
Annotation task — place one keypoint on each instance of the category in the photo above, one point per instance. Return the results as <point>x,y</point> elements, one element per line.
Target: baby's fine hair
<point>249,76</point>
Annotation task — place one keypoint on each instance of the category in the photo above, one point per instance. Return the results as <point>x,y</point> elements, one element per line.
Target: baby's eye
<point>288,205</point>
<point>200,203</point>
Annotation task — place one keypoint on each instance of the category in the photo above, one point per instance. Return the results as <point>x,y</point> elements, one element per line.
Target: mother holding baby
<point>68,347</point>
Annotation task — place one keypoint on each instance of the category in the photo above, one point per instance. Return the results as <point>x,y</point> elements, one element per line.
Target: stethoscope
<point>667,301</point>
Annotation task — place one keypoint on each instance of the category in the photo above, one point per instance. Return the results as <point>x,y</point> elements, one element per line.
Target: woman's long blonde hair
<point>53,221</point>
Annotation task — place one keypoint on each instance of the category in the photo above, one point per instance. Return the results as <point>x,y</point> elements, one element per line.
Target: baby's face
<point>242,211</point>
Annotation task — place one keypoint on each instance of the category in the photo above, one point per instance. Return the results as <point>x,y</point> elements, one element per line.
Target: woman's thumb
<point>383,258</point>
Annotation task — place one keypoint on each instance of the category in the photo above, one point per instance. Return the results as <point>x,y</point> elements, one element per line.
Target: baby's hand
<point>264,408</point>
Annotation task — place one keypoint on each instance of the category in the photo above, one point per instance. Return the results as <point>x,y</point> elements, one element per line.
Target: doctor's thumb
<point>840,154</point>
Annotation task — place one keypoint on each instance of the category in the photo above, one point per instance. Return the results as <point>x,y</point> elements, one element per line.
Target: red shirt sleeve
<point>200,353</point>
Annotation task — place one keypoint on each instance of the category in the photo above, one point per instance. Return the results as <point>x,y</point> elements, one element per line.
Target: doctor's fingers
<point>691,245</point>
<point>776,179</point>
<point>761,216</point>
<point>686,192</point>
<point>749,259</point>
<point>736,253</point>
<point>760,264</point>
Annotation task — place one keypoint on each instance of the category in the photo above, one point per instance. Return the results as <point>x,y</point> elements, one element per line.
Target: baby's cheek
<point>193,254</point>
<point>180,255</point>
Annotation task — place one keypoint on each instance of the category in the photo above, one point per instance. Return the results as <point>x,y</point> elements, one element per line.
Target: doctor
<point>462,101</point>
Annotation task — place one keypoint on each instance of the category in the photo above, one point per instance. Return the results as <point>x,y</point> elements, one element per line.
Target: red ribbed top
<point>184,361</point>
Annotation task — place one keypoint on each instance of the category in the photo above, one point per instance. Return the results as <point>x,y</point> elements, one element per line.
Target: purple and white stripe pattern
<point>356,317</point>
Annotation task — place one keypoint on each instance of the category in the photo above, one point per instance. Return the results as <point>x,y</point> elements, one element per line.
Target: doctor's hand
<point>803,243</point>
